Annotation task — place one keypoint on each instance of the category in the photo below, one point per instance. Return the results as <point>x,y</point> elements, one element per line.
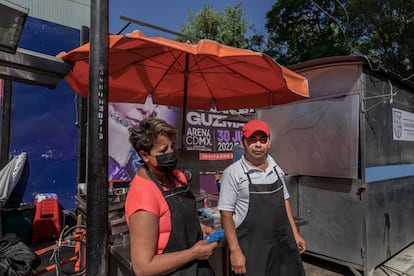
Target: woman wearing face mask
<point>165,233</point>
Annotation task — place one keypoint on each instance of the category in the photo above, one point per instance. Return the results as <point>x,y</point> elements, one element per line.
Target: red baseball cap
<point>253,126</point>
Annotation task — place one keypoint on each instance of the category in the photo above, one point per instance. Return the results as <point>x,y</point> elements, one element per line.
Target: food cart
<point>349,154</point>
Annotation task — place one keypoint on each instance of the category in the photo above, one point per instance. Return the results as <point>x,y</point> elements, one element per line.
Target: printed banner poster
<point>123,161</point>
<point>216,138</point>
<point>207,132</point>
<point>402,125</point>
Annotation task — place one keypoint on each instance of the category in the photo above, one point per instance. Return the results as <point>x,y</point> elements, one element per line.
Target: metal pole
<point>5,122</point>
<point>155,27</point>
<point>82,120</point>
<point>97,143</point>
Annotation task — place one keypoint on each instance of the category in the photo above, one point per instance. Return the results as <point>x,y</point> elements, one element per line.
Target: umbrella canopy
<point>195,76</point>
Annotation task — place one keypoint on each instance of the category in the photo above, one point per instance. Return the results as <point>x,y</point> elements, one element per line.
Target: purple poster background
<point>123,161</point>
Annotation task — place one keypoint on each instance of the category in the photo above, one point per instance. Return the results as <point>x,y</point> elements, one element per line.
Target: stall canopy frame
<point>32,68</point>
<point>23,65</point>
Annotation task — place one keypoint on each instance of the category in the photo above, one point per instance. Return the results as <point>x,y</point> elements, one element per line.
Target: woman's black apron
<point>185,227</point>
<point>265,236</point>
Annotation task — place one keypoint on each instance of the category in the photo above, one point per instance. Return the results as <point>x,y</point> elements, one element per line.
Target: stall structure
<point>348,151</point>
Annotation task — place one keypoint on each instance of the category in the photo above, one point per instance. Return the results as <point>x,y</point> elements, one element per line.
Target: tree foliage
<point>382,30</point>
<point>301,30</point>
<point>227,27</point>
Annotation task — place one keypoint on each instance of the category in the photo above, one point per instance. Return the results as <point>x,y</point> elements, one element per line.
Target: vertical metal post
<point>5,122</point>
<point>82,120</point>
<point>97,143</point>
<point>184,122</point>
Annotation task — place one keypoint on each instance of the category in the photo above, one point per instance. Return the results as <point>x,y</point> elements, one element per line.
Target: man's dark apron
<point>185,227</point>
<point>265,236</point>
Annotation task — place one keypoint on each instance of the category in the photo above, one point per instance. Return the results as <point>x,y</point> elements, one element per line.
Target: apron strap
<point>170,192</point>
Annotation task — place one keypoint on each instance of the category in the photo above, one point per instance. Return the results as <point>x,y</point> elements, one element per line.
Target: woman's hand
<point>206,229</point>
<point>202,250</point>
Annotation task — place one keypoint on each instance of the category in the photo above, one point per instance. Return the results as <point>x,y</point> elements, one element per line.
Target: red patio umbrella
<point>195,76</point>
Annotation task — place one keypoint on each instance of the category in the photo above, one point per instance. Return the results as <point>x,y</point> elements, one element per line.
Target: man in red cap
<point>255,211</point>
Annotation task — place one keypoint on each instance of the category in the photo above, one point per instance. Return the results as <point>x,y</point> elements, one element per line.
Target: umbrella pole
<point>184,120</point>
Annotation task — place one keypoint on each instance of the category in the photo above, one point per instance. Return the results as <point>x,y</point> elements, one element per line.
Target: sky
<point>170,14</point>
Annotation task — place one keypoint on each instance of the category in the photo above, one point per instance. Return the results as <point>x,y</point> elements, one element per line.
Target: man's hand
<point>238,261</point>
<point>301,243</point>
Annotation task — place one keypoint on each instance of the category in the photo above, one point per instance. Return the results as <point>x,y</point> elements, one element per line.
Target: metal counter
<point>120,261</point>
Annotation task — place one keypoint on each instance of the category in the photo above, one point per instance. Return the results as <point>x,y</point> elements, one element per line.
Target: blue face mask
<point>167,162</point>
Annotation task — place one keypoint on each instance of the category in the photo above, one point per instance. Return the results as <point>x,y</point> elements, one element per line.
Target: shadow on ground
<point>318,267</point>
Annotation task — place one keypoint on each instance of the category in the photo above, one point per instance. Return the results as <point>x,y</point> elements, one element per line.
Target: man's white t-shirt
<point>234,189</point>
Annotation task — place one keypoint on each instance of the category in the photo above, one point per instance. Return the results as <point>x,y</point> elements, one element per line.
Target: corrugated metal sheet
<point>70,13</point>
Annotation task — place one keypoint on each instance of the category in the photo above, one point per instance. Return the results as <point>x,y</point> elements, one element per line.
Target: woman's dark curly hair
<point>143,135</point>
